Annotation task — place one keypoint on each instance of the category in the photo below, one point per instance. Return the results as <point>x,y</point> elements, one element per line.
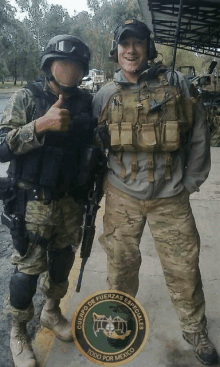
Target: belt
<point>45,194</point>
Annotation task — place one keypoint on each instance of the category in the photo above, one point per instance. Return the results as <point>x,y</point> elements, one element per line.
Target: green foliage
<point>35,11</point>
<point>3,70</point>
<point>55,21</point>
<point>97,28</point>
<point>183,58</point>
<point>6,13</point>
<point>21,42</point>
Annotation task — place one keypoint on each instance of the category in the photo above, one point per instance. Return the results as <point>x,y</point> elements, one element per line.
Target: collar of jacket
<point>148,74</point>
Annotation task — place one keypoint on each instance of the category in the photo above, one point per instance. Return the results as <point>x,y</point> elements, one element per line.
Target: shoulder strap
<point>43,99</point>
<point>36,87</point>
<point>105,111</point>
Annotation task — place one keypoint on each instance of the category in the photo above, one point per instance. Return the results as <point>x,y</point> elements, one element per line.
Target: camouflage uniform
<point>164,204</point>
<point>58,222</point>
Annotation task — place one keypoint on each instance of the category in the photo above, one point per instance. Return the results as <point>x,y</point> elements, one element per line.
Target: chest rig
<point>150,118</point>
<point>55,166</point>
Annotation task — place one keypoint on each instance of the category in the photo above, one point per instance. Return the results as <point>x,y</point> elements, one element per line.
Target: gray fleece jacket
<point>190,174</point>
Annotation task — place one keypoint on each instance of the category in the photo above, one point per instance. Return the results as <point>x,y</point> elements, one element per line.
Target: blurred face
<point>67,72</point>
<point>132,53</point>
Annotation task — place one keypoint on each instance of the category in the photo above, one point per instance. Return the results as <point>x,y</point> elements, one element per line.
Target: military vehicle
<point>208,86</point>
<point>188,71</point>
<point>94,81</point>
<point>209,83</point>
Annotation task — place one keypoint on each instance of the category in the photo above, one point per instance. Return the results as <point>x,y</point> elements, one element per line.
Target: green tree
<point>55,21</point>
<point>6,13</point>
<point>35,11</point>
<point>23,53</point>
<point>183,58</point>
<point>3,70</point>
<point>96,29</point>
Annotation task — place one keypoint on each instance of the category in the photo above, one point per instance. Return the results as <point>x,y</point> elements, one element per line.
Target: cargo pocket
<point>106,238</point>
<point>170,136</point>
<point>146,137</point>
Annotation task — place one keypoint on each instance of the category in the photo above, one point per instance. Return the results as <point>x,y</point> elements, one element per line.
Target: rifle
<point>92,206</point>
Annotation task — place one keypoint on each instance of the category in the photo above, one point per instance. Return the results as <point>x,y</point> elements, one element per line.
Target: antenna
<point>177,33</point>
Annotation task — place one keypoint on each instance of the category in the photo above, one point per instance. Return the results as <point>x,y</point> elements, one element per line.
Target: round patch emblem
<point>110,327</point>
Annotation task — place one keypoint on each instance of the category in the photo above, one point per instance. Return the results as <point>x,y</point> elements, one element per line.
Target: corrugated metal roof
<point>200,23</point>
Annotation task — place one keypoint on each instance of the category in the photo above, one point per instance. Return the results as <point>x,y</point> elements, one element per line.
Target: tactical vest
<point>56,164</point>
<point>151,118</point>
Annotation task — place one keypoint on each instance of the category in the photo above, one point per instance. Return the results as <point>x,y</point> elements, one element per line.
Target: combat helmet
<point>65,47</point>
<point>137,28</point>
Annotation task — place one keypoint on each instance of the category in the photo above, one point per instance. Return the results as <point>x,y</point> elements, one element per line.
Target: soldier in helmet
<point>158,141</point>
<point>43,130</point>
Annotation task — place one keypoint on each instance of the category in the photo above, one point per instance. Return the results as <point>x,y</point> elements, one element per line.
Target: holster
<point>5,188</point>
<point>17,231</point>
<point>12,217</point>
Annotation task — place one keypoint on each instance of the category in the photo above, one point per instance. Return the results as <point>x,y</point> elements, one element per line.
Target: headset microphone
<point>141,68</point>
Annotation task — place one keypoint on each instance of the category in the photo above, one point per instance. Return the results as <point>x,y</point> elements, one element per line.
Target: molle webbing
<point>118,157</point>
<point>43,99</point>
<point>150,167</point>
<point>151,118</point>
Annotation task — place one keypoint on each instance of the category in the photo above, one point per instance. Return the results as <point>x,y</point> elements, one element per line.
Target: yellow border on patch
<point>122,361</point>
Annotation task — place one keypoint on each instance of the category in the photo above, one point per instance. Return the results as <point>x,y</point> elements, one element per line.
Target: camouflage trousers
<point>177,243</point>
<point>60,223</point>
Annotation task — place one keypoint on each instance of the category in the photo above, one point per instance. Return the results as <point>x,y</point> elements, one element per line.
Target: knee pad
<point>22,289</point>
<point>60,263</point>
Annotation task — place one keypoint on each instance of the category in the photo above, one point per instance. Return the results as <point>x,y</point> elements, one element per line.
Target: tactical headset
<point>140,30</point>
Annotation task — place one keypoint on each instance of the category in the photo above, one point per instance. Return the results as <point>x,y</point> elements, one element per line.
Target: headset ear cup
<point>151,52</point>
<point>113,55</point>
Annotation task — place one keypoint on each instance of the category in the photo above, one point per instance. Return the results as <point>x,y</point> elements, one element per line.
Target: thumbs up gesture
<point>59,102</point>
<point>55,119</point>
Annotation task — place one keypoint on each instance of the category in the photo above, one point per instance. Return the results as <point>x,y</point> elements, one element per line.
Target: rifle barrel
<point>83,263</point>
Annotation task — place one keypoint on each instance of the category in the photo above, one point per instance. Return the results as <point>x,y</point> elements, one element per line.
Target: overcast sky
<point>70,5</point>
